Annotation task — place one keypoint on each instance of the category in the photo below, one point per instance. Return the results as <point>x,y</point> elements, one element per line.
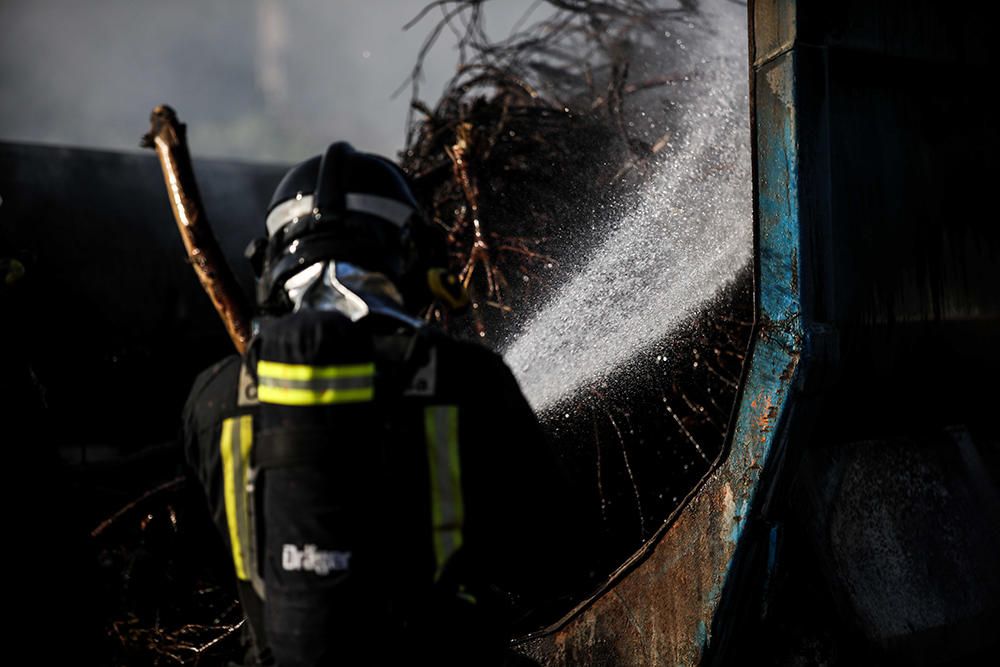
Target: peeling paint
<point>727,514</point>
<point>780,86</point>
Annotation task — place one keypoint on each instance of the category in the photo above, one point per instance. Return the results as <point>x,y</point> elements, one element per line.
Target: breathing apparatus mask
<point>346,288</point>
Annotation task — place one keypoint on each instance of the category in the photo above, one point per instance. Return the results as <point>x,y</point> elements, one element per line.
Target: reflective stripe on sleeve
<point>235,445</point>
<point>447,508</point>
<point>298,384</point>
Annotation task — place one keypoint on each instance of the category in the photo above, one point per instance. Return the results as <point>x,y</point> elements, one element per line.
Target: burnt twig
<point>168,137</point>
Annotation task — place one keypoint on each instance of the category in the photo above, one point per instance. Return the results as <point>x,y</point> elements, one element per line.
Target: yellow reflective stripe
<point>229,492</point>
<point>234,446</point>
<point>299,396</point>
<point>299,384</point>
<point>447,506</point>
<point>246,442</point>
<point>279,371</point>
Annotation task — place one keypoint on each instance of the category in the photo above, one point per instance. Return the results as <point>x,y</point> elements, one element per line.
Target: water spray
<point>667,257</point>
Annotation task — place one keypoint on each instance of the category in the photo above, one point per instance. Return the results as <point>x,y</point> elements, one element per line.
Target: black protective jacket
<point>391,495</point>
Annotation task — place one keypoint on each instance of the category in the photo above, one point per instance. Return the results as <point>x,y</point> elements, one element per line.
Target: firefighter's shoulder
<point>214,390</point>
<point>467,354</point>
<point>463,361</point>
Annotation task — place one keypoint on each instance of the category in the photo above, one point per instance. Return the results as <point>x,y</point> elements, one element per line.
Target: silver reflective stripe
<point>447,506</point>
<point>319,384</point>
<point>382,207</point>
<point>252,564</point>
<point>287,211</point>
<point>388,209</point>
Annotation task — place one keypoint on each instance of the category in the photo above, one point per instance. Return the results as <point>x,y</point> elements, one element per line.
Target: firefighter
<point>384,489</point>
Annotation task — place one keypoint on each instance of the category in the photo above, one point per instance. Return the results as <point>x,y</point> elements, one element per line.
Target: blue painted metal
<point>897,320</point>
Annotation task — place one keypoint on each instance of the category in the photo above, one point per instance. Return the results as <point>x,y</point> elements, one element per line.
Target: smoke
<point>273,80</point>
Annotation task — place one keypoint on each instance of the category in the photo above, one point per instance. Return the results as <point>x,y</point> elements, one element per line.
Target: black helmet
<point>352,207</point>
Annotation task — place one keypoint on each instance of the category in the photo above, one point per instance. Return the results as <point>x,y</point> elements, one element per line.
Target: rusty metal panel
<point>661,610</point>
<point>774,29</point>
<point>661,613</point>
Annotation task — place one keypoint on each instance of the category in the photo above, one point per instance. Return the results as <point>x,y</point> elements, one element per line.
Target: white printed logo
<point>311,559</point>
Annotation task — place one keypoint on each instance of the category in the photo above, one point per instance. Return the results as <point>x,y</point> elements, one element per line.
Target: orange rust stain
<point>767,415</point>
